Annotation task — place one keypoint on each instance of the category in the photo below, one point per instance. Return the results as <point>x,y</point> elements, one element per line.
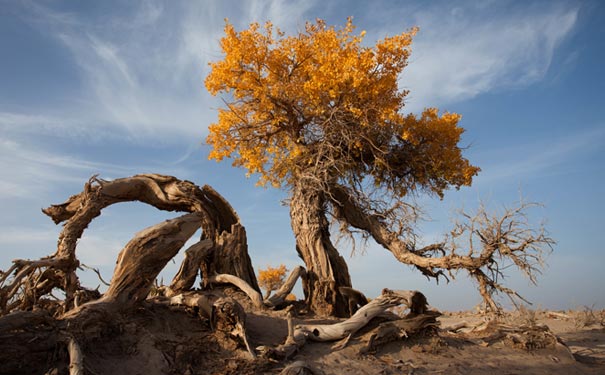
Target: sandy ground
<point>454,354</point>
<point>167,340</point>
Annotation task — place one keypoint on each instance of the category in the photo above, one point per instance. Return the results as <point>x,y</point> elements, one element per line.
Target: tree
<point>271,279</point>
<point>321,115</point>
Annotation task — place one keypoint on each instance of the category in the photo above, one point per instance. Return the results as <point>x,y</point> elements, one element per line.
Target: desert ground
<point>162,339</point>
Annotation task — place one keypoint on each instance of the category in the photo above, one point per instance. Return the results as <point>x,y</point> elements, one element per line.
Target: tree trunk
<point>144,257</point>
<point>326,269</point>
<point>230,253</point>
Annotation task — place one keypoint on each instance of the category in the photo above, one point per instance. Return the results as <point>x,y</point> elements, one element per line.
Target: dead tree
<point>224,238</point>
<point>82,315</point>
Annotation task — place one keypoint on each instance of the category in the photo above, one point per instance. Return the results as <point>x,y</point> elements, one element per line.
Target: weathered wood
<point>326,268</point>
<point>337,331</point>
<point>146,255</point>
<point>225,314</point>
<point>345,329</point>
<point>196,257</point>
<point>230,256</point>
<point>76,358</point>
<point>399,329</point>
<point>254,295</point>
<point>35,279</point>
<point>280,296</point>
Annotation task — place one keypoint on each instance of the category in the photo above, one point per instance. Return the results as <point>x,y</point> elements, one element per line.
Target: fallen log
<point>399,329</point>
<point>414,300</point>
<point>377,306</point>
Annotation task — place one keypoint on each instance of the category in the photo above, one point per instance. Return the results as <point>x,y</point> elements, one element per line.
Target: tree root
<point>226,315</point>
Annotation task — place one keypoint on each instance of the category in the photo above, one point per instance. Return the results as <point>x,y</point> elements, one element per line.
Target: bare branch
<point>494,242</point>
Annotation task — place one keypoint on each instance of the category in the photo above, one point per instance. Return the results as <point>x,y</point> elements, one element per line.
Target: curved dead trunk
<point>326,269</point>
<point>220,224</point>
<point>142,259</point>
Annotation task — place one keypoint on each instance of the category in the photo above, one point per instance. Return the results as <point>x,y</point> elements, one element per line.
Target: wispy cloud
<point>466,50</point>
<point>543,157</point>
<point>142,67</point>
<point>29,170</point>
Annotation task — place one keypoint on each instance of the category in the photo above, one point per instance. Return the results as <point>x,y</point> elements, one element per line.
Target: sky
<point>115,88</point>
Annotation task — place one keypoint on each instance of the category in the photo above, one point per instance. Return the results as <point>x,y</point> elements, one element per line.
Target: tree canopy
<point>322,107</point>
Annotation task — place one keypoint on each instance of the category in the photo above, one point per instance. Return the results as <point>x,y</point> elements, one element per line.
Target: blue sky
<point>116,88</point>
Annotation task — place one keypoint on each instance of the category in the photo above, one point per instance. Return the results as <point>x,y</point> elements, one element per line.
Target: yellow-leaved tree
<point>271,278</point>
<point>321,115</point>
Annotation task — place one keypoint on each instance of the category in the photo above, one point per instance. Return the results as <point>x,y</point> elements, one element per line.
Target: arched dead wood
<point>26,282</point>
<point>254,295</point>
<point>273,301</point>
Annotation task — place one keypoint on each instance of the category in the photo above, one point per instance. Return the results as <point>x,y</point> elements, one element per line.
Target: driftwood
<point>275,300</point>
<point>332,332</point>
<point>388,299</point>
<point>280,296</point>
<point>254,295</point>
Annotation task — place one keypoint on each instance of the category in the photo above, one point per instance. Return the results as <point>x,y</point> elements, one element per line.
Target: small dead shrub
<point>589,317</point>
<point>527,317</point>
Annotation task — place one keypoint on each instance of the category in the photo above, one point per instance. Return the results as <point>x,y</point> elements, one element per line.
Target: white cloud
<point>142,72</point>
<point>31,171</point>
<point>463,52</point>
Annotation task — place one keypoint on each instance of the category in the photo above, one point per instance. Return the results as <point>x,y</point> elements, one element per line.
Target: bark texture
<point>24,284</point>
<point>326,268</point>
<point>140,262</point>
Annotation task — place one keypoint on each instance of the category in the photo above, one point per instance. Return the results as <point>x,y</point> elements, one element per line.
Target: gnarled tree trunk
<point>326,269</point>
